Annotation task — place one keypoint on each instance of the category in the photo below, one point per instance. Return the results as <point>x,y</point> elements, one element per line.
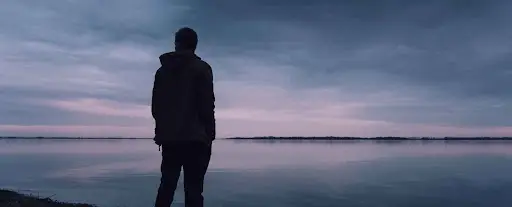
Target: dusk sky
<point>281,68</point>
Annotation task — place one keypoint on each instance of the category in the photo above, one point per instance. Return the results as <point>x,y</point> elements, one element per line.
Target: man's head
<point>185,39</point>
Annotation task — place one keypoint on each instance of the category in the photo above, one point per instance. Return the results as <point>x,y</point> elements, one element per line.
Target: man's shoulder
<point>158,71</point>
<point>202,66</point>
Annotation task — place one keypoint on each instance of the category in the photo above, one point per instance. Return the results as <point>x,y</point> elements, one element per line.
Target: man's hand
<point>157,141</point>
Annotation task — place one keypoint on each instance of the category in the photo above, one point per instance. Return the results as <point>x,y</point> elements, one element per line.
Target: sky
<point>281,68</point>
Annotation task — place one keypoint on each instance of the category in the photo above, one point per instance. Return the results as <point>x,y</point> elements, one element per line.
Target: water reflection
<point>90,158</point>
<point>288,172</point>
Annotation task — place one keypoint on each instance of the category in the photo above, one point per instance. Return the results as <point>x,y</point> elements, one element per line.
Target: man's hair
<point>186,38</point>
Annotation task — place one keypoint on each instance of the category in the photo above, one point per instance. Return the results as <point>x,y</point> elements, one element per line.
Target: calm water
<point>113,173</point>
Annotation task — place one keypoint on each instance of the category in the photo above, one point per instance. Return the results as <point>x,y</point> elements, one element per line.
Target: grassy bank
<point>13,199</point>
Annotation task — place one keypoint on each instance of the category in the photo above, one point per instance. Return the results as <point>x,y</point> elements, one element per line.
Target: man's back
<point>183,100</point>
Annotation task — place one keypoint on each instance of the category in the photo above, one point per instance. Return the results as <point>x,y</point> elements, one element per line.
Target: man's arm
<point>207,100</point>
<point>155,99</point>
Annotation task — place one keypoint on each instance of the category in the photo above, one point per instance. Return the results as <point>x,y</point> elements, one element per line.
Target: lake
<point>125,173</point>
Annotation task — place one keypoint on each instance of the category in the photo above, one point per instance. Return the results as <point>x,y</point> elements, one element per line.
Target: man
<point>183,106</point>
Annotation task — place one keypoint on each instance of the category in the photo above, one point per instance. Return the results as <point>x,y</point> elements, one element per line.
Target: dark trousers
<point>194,157</point>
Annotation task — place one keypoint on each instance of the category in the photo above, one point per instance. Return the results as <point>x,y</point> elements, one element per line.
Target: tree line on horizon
<point>289,138</point>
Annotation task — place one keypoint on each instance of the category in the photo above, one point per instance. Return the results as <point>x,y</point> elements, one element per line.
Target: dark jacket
<point>183,101</point>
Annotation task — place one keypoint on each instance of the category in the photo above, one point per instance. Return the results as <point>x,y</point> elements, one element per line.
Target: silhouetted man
<point>183,106</point>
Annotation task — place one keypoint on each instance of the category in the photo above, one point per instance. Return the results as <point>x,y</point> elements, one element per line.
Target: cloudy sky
<point>290,67</point>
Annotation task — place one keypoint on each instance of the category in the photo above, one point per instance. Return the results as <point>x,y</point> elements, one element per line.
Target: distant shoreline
<point>61,138</point>
<point>282,138</point>
<point>374,138</point>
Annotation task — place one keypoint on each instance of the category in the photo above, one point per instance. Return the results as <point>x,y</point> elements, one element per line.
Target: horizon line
<point>289,138</point>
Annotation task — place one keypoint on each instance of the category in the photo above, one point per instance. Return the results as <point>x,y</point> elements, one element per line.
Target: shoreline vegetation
<point>372,138</point>
<point>10,198</point>
<point>10,137</point>
<point>273,138</point>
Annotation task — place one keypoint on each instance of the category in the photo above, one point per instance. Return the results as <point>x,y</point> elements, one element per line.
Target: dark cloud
<point>436,63</point>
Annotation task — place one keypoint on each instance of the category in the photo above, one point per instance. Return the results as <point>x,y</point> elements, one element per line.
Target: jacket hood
<point>177,57</point>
